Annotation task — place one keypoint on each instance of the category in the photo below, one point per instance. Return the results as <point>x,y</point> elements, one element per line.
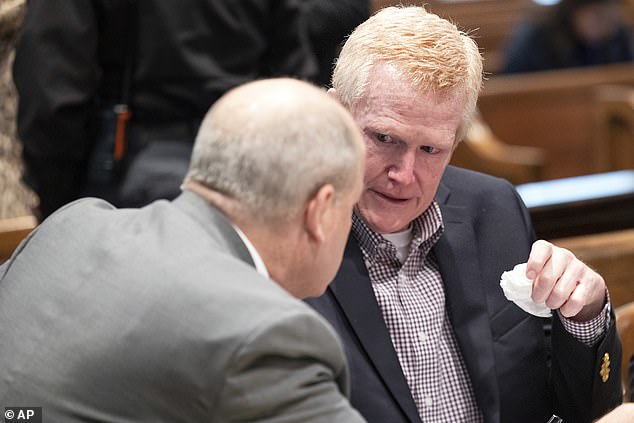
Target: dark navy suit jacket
<point>507,352</point>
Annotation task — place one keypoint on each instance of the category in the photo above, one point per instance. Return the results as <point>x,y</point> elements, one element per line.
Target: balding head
<point>284,161</point>
<point>270,144</point>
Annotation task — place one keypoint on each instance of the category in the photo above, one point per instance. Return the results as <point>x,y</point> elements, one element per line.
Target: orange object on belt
<point>123,115</point>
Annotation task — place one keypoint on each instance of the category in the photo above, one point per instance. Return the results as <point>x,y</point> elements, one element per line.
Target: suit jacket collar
<point>466,306</point>
<point>215,224</point>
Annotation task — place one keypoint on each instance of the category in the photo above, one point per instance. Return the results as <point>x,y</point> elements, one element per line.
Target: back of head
<point>429,51</point>
<point>271,144</point>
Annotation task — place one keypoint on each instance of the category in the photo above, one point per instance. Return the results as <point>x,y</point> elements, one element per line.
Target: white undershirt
<point>257,260</point>
<point>401,241</point>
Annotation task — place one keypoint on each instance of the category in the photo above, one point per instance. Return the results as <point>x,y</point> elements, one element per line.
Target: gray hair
<point>269,145</point>
<point>431,52</point>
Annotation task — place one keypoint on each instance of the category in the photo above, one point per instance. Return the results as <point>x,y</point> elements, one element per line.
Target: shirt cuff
<point>591,331</point>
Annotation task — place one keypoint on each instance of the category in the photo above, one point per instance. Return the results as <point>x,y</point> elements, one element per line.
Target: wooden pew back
<point>611,254</point>
<point>12,232</point>
<point>556,111</point>
<point>615,125</point>
<point>625,328</point>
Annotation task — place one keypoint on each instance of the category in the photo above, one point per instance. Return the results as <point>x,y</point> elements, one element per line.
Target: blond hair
<point>430,52</point>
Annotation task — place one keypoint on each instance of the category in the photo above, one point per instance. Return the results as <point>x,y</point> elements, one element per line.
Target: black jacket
<point>506,351</point>
<point>187,53</point>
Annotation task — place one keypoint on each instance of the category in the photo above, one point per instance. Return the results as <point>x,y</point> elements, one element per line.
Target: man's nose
<point>402,170</point>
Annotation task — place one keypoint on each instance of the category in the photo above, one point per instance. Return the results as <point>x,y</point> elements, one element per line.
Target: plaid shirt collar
<point>426,230</point>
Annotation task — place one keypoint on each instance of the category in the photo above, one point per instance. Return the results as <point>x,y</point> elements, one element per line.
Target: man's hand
<point>564,282</point>
<point>621,414</point>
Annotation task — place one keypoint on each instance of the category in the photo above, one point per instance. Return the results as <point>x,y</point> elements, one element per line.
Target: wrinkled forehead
<point>390,86</point>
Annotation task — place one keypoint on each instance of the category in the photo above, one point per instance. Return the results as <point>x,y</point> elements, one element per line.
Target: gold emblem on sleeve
<point>605,368</point>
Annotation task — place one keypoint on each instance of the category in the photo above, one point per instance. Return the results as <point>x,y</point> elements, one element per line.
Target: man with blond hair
<point>427,329</point>
<point>189,311</point>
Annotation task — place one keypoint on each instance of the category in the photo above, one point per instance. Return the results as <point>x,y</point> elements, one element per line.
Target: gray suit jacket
<point>157,314</point>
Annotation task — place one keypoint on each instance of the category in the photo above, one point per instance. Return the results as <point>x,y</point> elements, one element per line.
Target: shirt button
<point>402,278</point>
<point>429,401</point>
<point>422,337</point>
<point>382,246</point>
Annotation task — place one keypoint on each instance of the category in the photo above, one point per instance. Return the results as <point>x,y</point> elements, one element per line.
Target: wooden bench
<point>556,111</point>
<point>615,125</point>
<point>625,328</point>
<point>481,150</point>
<point>581,205</point>
<point>611,254</point>
<point>12,232</point>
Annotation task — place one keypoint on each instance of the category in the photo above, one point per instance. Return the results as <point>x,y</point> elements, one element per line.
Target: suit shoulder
<point>468,183</point>
<point>84,207</point>
<point>458,176</point>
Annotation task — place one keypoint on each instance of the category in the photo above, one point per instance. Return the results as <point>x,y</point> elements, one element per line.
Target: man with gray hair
<point>189,310</point>
<point>427,329</point>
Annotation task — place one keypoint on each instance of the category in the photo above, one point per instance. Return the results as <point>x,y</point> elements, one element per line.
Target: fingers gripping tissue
<point>518,288</point>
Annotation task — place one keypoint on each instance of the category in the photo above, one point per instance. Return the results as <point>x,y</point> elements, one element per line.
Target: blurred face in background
<point>598,22</point>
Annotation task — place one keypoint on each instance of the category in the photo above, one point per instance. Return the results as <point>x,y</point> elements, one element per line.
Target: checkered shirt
<point>592,331</point>
<point>412,300</point>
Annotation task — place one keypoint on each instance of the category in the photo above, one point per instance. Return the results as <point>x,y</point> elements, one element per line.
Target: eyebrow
<point>371,130</point>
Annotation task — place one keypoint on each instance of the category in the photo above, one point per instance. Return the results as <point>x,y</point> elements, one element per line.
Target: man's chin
<point>384,221</point>
<point>387,225</point>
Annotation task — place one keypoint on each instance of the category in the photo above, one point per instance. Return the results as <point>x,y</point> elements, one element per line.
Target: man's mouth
<point>390,198</point>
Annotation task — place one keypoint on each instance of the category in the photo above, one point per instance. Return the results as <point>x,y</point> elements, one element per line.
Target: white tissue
<point>518,288</point>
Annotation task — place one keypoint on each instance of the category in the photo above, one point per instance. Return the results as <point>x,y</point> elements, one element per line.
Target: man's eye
<point>429,149</point>
<point>383,138</point>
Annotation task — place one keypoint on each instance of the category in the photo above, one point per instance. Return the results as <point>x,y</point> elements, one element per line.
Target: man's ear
<point>317,211</point>
<point>333,94</point>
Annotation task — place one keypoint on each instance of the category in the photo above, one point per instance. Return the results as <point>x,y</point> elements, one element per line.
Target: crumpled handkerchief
<point>517,288</point>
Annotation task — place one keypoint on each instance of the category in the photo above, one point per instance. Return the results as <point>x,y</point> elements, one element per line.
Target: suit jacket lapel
<point>466,302</point>
<point>353,291</point>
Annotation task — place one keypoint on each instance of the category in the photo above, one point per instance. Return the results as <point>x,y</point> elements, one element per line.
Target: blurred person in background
<point>329,22</point>
<point>572,33</point>
<point>15,198</point>
<point>111,92</point>
<point>86,68</point>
